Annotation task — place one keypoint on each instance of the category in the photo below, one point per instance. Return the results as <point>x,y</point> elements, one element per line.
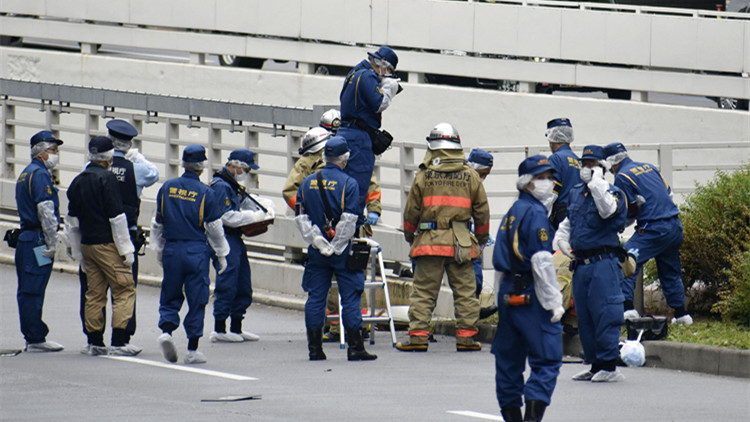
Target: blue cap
<point>121,129</point>
<point>593,152</point>
<point>386,53</point>
<point>614,148</point>
<point>480,157</point>
<point>45,136</point>
<point>534,165</point>
<point>246,156</point>
<point>194,154</point>
<point>563,121</point>
<point>336,146</point>
<point>99,144</point>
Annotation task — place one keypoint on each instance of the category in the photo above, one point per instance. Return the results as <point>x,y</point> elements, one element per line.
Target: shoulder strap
<point>326,205</point>
<point>509,242</point>
<point>236,186</point>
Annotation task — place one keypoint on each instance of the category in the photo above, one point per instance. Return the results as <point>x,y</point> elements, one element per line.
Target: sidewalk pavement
<point>659,354</point>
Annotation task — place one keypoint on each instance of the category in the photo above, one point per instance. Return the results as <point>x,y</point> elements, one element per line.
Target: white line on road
<point>183,368</point>
<point>471,414</point>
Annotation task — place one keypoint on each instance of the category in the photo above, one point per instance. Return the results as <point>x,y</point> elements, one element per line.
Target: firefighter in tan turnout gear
<point>445,196</point>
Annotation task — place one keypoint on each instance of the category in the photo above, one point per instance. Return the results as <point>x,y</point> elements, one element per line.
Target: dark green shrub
<point>716,221</point>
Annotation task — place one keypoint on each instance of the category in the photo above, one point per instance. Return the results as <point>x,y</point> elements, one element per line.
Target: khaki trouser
<point>105,269</point>
<point>428,276</point>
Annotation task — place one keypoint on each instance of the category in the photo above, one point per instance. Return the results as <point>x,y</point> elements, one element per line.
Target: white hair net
<point>523,181</point>
<point>338,159</point>
<point>120,144</point>
<point>239,164</point>
<point>477,166</point>
<point>560,134</point>
<point>616,159</point>
<point>40,148</point>
<point>101,156</point>
<point>194,165</point>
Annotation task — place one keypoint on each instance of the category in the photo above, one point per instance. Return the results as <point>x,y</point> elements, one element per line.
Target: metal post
<point>52,118</point>
<point>7,132</point>
<point>251,143</point>
<point>406,157</point>
<point>665,163</point>
<point>214,150</point>
<point>171,149</point>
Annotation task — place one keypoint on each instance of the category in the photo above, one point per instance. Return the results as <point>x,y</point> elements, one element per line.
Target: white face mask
<point>543,190</point>
<point>51,161</point>
<point>241,177</point>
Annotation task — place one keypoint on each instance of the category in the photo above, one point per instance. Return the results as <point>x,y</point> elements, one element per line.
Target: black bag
<point>380,139</point>
<point>11,236</point>
<point>359,256</point>
<point>654,327</point>
<point>138,237</point>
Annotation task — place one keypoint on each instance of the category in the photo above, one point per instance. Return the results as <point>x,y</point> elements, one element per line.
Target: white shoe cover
<point>225,337</point>
<point>45,346</point>
<point>583,376</point>
<point>248,336</point>
<point>683,320</point>
<point>631,314</point>
<point>125,350</point>
<point>608,376</point>
<point>194,356</point>
<point>92,350</point>
<point>168,348</point>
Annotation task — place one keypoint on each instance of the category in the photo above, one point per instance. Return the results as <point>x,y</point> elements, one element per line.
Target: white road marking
<point>472,414</point>
<point>183,368</point>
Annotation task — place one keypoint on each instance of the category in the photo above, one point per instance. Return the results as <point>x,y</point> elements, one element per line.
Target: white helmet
<point>314,140</point>
<point>444,136</point>
<point>331,120</point>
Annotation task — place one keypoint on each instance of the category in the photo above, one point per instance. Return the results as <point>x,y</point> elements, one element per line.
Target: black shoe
<point>315,344</point>
<point>356,350</point>
<point>487,312</point>
<point>329,337</point>
<point>511,414</point>
<point>534,410</point>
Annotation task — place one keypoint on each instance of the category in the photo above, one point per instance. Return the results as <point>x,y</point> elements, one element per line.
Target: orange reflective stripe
<point>484,228</point>
<point>466,332</point>
<point>433,250</point>
<point>372,196</point>
<point>292,201</point>
<point>411,228</point>
<point>419,333</point>
<point>447,201</point>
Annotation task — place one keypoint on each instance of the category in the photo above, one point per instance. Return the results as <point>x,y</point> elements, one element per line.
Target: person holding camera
<point>233,292</point>
<point>327,210</point>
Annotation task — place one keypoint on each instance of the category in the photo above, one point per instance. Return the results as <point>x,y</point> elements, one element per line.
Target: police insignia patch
<point>543,236</point>
<point>226,202</point>
<point>49,190</point>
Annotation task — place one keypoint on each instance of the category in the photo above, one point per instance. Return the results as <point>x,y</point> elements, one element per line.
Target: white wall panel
<point>628,39</point>
<point>25,7</point>
<point>325,20</point>
<point>379,20</point>
<point>719,45</point>
<point>196,14</point>
<point>496,29</point>
<point>539,32</point>
<point>673,42</point>
<point>409,23</point>
<point>240,16</point>
<point>279,17</point>
<point>66,9</point>
<point>148,12</point>
<point>746,62</point>
<point>448,26</point>
<point>584,36</point>
<point>109,11</point>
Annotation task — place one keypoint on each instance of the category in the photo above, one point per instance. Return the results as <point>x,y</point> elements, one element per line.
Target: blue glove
<point>634,252</point>
<point>372,218</point>
<point>491,241</point>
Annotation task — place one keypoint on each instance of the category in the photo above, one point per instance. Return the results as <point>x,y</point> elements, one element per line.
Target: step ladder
<point>372,282</point>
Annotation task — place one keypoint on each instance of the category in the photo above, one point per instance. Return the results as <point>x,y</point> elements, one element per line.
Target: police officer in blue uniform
<point>529,299</point>
<point>233,292</point>
<point>329,230</point>
<point>566,164</point>
<point>38,208</point>
<point>596,216</point>
<point>481,161</point>
<point>368,90</point>
<point>658,232</point>
<point>188,214</point>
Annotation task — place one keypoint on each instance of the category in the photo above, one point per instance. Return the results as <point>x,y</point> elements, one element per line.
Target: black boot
<point>534,410</point>
<point>511,414</point>
<point>315,344</point>
<point>356,350</point>
<point>487,312</point>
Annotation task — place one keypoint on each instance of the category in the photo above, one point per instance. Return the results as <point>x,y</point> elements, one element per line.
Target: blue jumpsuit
<point>183,205</point>
<point>658,232</point>
<point>34,185</point>
<point>360,99</point>
<point>233,290</point>
<point>524,331</point>
<point>596,282</point>
<point>342,194</point>
<point>567,174</point>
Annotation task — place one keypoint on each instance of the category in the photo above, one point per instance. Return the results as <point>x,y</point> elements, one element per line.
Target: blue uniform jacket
<point>341,191</point>
<point>645,180</point>
<point>229,199</point>
<point>587,228</point>
<point>361,96</point>
<point>183,205</point>
<point>34,185</point>
<point>524,231</point>
<point>567,171</point>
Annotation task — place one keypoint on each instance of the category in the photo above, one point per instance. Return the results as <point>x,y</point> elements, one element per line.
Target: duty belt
<point>592,259</point>
<point>427,225</point>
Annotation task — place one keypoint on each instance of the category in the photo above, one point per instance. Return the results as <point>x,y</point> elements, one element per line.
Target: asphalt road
<point>440,385</point>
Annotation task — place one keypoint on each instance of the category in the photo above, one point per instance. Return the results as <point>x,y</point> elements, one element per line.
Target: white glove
<point>128,259</point>
<point>585,174</point>
<point>134,156</point>
<point>222,260</point>
<point>49,251</point>
<point>597,173</point>
<point>563,246</point>
<point>390,85</point>
<point>158,258</point>
<point>322,245</point>
<point>557,314</point>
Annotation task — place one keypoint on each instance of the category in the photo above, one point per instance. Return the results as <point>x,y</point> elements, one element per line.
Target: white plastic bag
<point>632,352</point>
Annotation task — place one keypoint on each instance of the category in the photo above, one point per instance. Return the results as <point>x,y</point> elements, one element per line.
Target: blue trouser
<point>233,292</point>
<point>317,281</point>
<point>478,274</point>
<point>130,328</point>
<point>32,283</point>
<point>660,240</point>
<point>525,332</point>
<point>599,307</point>
<point>185,265</point>
<point>361,161</point>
